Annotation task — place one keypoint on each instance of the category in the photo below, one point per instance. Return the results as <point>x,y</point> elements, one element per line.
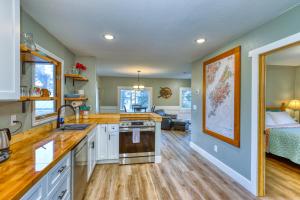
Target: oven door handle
<point>121,130</point>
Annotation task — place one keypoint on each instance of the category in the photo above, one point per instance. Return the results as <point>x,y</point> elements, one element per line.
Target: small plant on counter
<point>84,110</point>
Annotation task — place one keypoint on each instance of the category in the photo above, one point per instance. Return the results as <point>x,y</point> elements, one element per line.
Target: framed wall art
<point>221,96</point>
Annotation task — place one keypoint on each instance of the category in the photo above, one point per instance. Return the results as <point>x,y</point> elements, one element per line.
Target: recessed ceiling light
<point>200,40</point>
<point>109,36</point>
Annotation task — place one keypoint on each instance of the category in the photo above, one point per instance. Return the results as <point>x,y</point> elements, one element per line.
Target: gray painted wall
<point>297,84</point>
<point>47,41</point>
<point>90,86</point>
<point>239,159</point>
<point>109,89</point>
<point>281,84</point>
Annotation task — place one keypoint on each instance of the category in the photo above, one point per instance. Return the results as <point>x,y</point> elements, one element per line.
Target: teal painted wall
<point>109,89</point>
<point>47,41</point>
<point>239,159</point>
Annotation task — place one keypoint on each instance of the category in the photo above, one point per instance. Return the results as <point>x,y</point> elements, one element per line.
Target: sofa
<point>167,119</point>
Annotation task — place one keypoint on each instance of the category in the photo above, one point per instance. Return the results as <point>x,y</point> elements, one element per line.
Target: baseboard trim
<point>107,161</point>
<point>243,181</point>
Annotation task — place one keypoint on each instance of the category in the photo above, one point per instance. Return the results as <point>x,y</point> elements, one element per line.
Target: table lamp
<point>295,105</point>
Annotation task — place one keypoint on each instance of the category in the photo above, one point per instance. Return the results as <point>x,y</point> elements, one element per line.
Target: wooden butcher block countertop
<point>21,171</point>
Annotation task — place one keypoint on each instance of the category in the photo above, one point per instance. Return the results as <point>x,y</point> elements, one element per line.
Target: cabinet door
<point>10,50</point>
<point>91,152</point>
<point>113,145</point>
<point>102,139</point>
<point>38,191</point>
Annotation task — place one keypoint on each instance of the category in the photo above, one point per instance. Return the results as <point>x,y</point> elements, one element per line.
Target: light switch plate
<point>194,107</point>
<point>12,119</point>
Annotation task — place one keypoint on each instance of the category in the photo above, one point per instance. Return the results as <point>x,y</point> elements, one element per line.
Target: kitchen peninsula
<point>38,151</point>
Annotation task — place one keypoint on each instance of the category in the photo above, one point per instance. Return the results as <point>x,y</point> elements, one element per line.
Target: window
<point>185,98</point>
<point>46,76</point>
<point>129,97</point>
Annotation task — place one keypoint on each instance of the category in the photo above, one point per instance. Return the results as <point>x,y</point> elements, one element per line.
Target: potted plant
<point>80,67</point>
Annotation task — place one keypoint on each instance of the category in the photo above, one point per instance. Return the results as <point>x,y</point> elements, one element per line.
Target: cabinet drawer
<point>62,190</point>
<point>113,128</point>
<point>58,171</point>
<point>37,192</point>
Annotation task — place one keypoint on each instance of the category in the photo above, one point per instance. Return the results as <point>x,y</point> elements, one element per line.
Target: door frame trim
<point>257,161</point>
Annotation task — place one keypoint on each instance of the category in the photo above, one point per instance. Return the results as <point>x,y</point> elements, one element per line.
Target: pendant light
<point>138,86</point>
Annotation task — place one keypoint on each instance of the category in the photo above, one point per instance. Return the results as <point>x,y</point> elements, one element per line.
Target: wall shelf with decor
<point>29,56</point>
<point>76,99</point>
<point>26,98</point>
<point>75,77</point>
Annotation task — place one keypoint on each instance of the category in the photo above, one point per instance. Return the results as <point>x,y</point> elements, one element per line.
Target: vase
<point>75,70</point>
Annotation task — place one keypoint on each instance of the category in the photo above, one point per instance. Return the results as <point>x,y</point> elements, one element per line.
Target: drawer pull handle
<point>62,194</point>
<point>61,169</point>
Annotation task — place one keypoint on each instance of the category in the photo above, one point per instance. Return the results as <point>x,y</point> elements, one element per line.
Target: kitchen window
<point>129,97</point>
<point>185,98</point>
<point>46,76</point>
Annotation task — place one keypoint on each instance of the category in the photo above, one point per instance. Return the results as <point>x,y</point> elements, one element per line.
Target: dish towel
<point>135,135</point>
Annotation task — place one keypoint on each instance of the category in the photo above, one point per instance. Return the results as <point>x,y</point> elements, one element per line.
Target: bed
<point>282,134</point>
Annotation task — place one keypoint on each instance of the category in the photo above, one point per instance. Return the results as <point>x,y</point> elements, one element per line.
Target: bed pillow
<point>282,118</point>
<point>269,121</point>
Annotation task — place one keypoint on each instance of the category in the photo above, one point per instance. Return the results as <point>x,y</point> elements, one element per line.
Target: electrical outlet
<point>12,119</point>
<point>216,148</point>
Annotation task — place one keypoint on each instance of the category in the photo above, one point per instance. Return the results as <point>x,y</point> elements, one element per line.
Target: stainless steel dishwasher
<point>79,161</point>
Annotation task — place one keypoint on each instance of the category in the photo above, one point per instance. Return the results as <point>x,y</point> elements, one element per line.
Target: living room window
<point>185,98</point>
<point>129,97</point>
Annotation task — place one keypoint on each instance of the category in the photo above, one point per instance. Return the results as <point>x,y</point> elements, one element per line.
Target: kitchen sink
<point>69,127</point>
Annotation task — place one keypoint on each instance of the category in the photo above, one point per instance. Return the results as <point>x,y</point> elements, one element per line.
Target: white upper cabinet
<point>10,50</point>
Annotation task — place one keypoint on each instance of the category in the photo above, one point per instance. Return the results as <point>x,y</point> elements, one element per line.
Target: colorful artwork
<point>221,96</point>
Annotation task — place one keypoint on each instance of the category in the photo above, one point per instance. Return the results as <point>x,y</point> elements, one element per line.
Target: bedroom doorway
<point>279,115</point>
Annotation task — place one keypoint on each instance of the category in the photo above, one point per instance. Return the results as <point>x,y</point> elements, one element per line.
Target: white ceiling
<point>285,57</point>
<point>156,36</point>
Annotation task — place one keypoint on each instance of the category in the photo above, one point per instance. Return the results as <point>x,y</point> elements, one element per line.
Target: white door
<point>102,139</point>
<point>113,145</point>
<point>10,50</point>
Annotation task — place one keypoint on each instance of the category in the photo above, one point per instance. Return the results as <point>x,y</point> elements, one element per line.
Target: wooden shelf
<point>35,56</point>
<point>76,99</point>
<point>37,98</point>
<point>75,77</point>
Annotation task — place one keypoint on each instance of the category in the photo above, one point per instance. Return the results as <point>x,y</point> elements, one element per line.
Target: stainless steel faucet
<point>58,123</point>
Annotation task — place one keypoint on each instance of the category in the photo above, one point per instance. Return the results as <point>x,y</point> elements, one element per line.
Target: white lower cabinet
<point>113,145</point>
<point>102,144</point>
<point>107,142</point>
<point>91,152</point>
<point>55,185</point>
<point>38,191</point>
<point>63,189</point>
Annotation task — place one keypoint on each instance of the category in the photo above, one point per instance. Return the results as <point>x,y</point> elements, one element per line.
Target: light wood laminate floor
<point>183,174</point>
<point>282,179</point>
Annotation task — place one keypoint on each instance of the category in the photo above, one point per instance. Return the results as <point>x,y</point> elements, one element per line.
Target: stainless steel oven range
<point>137,141</point>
